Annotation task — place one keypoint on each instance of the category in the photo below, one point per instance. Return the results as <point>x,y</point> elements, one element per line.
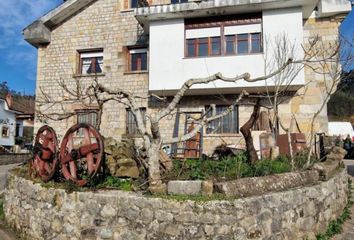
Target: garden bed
<point>45,213</point>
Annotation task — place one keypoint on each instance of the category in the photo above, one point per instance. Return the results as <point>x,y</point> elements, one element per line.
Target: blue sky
<point>18,59</point>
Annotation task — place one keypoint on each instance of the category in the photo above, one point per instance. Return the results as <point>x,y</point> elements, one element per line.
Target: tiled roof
<point>24,105</point>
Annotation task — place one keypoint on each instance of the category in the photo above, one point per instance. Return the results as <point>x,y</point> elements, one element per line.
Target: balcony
<point>197,8</point>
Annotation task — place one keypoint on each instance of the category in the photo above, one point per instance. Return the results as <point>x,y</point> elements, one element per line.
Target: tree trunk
<point>154,164</point>
<point>246,132</point>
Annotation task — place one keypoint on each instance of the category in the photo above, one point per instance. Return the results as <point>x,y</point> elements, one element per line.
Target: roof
<point>39,32</point>
<point>22,105</point>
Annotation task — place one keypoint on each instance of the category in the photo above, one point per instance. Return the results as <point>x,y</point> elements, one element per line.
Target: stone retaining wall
<point>41,213</point>
<point>11,158</point>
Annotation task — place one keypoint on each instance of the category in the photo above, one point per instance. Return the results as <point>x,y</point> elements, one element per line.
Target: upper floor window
<point>91,62</point>
<point>138,60</point>
<point>134,3</point>
<point>226,35</point>
<point>178,1</point>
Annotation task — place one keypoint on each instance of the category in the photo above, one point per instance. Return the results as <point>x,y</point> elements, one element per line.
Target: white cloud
<point>15,15</point>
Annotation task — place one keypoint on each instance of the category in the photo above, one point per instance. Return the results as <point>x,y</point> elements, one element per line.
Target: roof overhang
<point>230,90</point>
<point>38,33</point>
<point>217,7</point>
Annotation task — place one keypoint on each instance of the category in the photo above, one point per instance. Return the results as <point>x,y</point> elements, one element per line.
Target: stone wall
<point>12,158</point>
<point>42,213</point>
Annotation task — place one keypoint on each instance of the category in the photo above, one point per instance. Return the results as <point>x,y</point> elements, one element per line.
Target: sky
<point>18,59</point>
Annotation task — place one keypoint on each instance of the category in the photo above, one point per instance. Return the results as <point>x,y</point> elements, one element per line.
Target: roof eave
<point>208,8</point>
<point>39,32</point>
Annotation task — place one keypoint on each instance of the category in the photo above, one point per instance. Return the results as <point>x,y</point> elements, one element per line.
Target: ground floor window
<point>131,123</point>
<point>225,124</point>
<point>5,132</point>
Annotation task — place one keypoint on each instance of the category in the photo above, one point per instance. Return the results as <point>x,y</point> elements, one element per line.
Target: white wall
<point>332,7</point>
<point>10,119</point>
<point>169,69</point>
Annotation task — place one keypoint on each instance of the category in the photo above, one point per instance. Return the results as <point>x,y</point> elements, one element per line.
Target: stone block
<point>185,187</point>
<point>246,187</point>
<point>327,169</point>
<point>207,188</point>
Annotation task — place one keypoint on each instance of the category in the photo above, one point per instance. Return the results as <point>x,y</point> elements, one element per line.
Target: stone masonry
<point>107,25</point>
<point>47,213</point>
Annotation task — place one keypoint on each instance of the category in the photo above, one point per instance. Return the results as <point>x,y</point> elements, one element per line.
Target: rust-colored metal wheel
<point>45,157</point>
<point>81,153</point>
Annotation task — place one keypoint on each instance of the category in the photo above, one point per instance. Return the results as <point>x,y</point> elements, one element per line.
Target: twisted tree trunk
<point>246,132</point>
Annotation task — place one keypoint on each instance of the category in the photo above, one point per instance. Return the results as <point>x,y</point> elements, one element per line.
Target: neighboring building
<point>16,120</point>
<point>157,48</point>
<point>7,122</point>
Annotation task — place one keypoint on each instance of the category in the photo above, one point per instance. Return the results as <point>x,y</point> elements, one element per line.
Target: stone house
<point>155,46</point>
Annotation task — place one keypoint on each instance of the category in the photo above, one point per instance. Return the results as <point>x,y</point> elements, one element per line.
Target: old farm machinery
<point>80,156</point>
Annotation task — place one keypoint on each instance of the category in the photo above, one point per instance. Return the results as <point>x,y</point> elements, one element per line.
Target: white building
<point>7,124</point>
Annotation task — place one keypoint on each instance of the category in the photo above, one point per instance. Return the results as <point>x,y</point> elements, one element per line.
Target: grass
<point>228,168</point>
<point>336,226</point>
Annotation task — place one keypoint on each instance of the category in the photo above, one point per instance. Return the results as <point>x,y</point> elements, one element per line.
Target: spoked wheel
<point>81,153</point>
<point>45,157</point>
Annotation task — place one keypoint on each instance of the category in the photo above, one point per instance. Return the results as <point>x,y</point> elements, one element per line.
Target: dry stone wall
<point>47,213</point>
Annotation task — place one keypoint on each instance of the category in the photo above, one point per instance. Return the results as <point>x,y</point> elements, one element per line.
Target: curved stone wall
<point>41,213</point>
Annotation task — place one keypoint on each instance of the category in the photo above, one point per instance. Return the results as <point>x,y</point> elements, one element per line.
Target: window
<point>131,124</point>
<point>178,1</point>
<point>91,62</point>
<point>87,116</point>
<point>138,60</point>
<point>202,47</point>
<point>226,124</point>
<point>5,132</point>
<point>134,3</point>
<point>242,43</point>
<point>256,43</point>
<point>224,35</point>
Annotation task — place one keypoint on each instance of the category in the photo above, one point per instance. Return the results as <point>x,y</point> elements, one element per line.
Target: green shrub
<point>2,213</point>
<point>228,168</point>
<point>115,182</point>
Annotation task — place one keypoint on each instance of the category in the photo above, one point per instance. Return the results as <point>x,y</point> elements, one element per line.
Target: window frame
<point>222,22</point>
<point>127,123</point>
<point>7,132</point>
<point>235,117</point>
<point>97,51</point>
<point>81,112</point>
<point>136,50</point>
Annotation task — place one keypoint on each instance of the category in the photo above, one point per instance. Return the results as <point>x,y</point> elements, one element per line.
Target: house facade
<point>154,47</point>
<point>7,123</point>
<point>16,120</point>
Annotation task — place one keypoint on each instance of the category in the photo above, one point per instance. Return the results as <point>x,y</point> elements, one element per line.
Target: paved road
<point>3,173</point>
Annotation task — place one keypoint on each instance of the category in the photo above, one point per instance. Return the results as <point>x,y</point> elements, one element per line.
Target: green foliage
<point>344,94</point>
<point>268,167</point>
<point>2,213</point>
<point>336,226</point>
<point>117,183</point>
<point>232,167</point>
